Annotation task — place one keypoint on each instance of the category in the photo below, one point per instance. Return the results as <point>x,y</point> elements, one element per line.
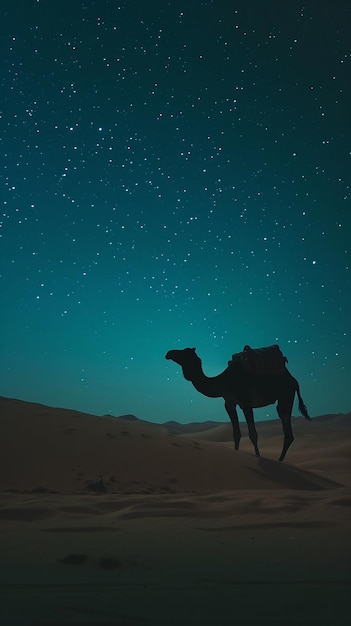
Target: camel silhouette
<point>253,378</point>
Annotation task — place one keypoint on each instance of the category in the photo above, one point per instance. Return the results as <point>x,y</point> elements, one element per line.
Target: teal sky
<point>173,174</point>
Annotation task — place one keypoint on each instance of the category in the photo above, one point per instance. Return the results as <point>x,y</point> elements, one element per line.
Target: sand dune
<point>118,520</point>
<point>67,451</point>
<point>322,445</point>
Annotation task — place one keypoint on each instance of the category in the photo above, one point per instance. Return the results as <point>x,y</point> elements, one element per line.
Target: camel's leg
<point>284,411</point>
<point>249,416</point>
<point>233,415</point>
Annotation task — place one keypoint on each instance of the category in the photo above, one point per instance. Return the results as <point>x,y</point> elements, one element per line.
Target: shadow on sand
<point>290,477</point>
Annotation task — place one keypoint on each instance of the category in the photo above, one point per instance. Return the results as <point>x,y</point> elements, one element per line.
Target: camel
<point>248,389</point>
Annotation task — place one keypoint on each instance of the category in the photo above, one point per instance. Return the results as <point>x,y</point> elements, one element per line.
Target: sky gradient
<point>173,174</point>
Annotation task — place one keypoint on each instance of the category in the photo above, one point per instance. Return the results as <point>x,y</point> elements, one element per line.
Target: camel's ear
<point>193,349</point>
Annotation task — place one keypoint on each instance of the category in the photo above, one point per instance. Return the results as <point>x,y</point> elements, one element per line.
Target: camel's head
<point>186,358</point>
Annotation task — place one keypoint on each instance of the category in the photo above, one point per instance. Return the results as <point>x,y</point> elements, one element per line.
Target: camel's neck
<point>209,386</point>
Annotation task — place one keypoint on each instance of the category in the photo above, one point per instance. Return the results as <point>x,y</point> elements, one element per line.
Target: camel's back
<point>268,361</point>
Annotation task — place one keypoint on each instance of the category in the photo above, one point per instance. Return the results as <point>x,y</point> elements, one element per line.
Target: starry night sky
<point>173,174</point>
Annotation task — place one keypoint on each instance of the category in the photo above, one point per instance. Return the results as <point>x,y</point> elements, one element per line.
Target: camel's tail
<point>302,406</point>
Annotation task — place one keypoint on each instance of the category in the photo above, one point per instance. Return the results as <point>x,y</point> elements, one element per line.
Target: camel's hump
<point>268,360</point>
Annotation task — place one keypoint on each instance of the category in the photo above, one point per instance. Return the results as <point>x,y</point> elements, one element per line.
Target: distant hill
<point>127,418</point>
<point>176,428</point>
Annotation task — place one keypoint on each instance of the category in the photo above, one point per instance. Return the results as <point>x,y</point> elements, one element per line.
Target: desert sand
<point>120,521</point>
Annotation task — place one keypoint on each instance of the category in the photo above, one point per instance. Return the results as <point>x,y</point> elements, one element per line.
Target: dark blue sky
<point>173,174</point>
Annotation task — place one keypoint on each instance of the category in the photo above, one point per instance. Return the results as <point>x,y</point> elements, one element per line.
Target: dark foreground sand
<point>110,521</point>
